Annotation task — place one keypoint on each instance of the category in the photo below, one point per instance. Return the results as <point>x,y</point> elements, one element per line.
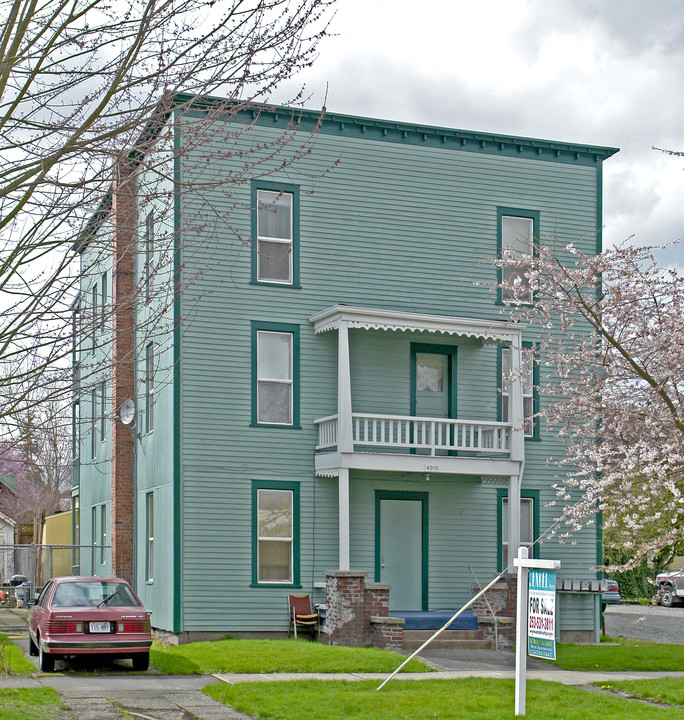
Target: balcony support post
<point>515,398</point>
<point>514,482</point>
<point>344,400</point>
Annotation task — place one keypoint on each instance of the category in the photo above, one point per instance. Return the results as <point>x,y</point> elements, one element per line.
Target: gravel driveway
<point>646,622</point>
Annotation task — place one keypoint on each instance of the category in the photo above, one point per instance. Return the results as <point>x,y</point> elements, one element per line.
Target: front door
<point>401,548</point>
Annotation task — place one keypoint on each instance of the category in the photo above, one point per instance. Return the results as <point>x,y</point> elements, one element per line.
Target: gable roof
<point>8,520</point>
<point>10,482</point>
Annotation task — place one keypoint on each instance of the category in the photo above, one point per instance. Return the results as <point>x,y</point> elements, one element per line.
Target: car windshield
<point>93,594</point>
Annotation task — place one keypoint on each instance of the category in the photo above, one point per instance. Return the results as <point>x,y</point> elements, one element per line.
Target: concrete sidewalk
<point>153,696</point>
<point>167,697</point>
<point>566,677</point>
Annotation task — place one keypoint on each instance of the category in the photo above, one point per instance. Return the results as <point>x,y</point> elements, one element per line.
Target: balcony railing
<point>433,435</point>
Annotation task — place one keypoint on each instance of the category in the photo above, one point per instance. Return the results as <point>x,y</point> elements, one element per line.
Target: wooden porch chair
<point>299,611</point>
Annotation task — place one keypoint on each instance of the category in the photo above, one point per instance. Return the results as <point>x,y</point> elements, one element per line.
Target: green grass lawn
<point>30,704</point>
<point>12,660</point>
<point>665,690</point>
<point>473,698</point>
<point>269,656</point>
<point>624,655</point>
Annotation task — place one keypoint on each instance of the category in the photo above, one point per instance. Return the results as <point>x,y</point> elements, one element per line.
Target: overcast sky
<point>601,72</point>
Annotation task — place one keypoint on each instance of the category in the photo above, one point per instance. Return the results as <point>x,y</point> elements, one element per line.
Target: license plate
<point>99,627</point>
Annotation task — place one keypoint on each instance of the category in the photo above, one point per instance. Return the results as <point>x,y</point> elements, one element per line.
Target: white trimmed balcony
<point>401,433</point>
<point>401,443</point>
<point>350,441</point>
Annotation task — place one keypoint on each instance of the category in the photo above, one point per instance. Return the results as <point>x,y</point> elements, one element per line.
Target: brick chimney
<point>123,369</point>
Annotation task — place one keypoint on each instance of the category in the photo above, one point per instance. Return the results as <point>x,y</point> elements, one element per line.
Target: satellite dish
<point>127,412</point>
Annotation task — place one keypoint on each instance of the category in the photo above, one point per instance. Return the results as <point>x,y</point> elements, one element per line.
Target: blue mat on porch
<point>434,620</point>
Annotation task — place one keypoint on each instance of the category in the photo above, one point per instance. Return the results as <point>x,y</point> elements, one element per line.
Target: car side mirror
<point>31,603</point>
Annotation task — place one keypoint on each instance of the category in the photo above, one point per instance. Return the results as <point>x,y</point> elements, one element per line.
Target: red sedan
<point>89,616</point>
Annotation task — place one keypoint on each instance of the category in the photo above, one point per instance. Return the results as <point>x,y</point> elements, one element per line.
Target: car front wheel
<point>46,662</point>
<point>667,596</point>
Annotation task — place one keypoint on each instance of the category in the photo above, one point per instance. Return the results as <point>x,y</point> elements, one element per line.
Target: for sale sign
<point>541,628</point>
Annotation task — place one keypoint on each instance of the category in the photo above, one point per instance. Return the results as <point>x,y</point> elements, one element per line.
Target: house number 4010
<point>432,468</point>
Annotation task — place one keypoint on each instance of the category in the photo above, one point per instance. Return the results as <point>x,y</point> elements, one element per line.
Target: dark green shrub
<point>634,583</point>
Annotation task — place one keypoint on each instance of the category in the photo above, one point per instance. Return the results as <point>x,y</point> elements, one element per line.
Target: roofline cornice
<point>410,133</point>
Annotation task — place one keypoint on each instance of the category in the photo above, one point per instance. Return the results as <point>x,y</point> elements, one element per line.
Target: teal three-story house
<point>309,361</point>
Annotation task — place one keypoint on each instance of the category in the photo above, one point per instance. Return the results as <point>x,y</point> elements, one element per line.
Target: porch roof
<point>378,319</point>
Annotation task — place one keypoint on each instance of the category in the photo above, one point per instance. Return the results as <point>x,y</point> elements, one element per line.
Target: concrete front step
<point>449,639</point>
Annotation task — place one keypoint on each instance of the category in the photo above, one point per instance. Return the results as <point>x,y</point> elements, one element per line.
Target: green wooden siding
<point>395,225</point>
<point>154,471</point>
<point>94,474</point>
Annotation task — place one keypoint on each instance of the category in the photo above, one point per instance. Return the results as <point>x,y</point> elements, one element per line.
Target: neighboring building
<point>22,532</point>
<point>7,527</point>
<point>330,397</point>
<point>57,529</point>
<point>8,487</point>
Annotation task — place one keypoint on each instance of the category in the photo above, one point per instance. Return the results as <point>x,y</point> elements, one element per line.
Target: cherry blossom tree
<point>38,460</point>
<point>612,343</point>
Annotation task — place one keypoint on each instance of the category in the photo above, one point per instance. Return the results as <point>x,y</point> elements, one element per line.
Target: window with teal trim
<point>103,411</point>
<point>530,388</point>
<point>275,233</point>
<point>103,532</point>
<point>93,424</point>
<point>517,233</point>
<point>148,277</point>
<point>104,301</point>
<point>275,533</point>
<point>76,524</point>
<point>76,434</point>
<point>149,387</point>
<point>95,318</point>
<point>149,532</point>
<point>93,531</point>
<point>529,524</point>
<point>275,374</point>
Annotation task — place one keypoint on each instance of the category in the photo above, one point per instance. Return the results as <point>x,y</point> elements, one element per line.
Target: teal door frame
<point>450,352</point>
<point>423,498</point>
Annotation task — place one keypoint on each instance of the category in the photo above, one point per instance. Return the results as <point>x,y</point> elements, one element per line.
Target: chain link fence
<point>38,563</point>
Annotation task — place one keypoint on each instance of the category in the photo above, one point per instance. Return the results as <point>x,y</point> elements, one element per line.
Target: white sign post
<point>524,563</point>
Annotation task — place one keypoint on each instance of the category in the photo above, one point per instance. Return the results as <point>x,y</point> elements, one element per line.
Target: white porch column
<point>345,442</point>
<point>513,517</point>
<point>344,401</point>
<point>515,402</point>
<point>343,512</point>
<point>517,419</point>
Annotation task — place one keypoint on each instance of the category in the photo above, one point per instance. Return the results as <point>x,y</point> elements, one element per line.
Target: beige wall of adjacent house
<point>57,529</point>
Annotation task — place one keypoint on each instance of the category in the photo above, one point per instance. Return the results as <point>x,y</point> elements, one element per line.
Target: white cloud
<point>574,70</point>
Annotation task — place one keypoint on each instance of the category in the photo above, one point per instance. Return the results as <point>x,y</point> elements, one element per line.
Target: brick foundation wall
<point>387,633</point>
<point>357,612</point>
<point>502,599</point>
<point>345,617</point>
<point>376,604</point>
